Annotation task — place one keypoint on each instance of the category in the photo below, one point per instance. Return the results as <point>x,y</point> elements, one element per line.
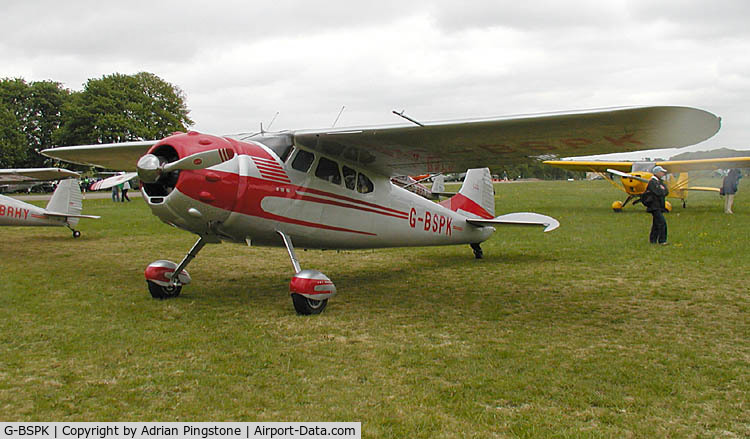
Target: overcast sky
<point>240,62</point>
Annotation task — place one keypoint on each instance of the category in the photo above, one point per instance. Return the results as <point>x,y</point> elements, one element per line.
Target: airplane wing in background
<point>590,166</point>
<point>674,166</point>
<point>113,181</point>
<point>35,174</point>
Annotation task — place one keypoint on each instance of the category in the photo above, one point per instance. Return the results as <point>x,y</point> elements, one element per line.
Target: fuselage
<point>317,200</point>
<point>17,213</point>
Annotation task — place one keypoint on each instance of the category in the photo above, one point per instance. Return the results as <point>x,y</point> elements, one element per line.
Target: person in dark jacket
<point>729,188</point>
<point>654,200</point>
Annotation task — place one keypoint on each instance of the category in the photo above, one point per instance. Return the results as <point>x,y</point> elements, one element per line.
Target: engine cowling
<point>193,197</point>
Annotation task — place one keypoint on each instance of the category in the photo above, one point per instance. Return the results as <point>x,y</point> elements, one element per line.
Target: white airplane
<point>332,188</point>
<point>64,207</point>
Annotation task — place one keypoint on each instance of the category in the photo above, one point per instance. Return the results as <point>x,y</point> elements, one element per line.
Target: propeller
<point>151,167</point>
<point>626,175</point>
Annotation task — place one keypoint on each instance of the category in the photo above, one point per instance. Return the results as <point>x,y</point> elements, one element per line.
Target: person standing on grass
<point>654,200</point>
<point>125,188</point>
<point>729,188</point>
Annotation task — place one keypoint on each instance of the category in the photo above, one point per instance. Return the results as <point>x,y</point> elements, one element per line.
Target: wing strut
<point>401,114</point>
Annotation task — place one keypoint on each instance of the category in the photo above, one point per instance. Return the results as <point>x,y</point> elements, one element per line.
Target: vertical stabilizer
<point>476,199</point>
<point>438,184</point>
<point>67,199</point>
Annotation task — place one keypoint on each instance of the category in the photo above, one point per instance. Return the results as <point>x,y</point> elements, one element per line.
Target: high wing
<point>705,164</point>
<point>672,166</point>
<point>121,156</point>
<point>459,145</point>
<point>35,174</point>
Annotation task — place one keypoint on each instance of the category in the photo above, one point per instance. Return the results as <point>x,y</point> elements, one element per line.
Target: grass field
<point>587,331</point>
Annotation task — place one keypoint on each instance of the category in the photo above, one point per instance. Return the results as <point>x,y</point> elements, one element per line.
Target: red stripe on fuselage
<point>248,202</point>
<point>351,200</point>
<point>465,203</point>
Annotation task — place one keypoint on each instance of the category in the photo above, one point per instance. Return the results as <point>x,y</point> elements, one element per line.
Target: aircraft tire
<point>76,234</point>
<point>159,292</point>
<point>306,307</point>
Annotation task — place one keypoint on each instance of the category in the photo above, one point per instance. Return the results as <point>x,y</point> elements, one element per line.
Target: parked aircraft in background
<point>414,184</point>
<point>634,176</point>
<point>64,207</point>
<point>24,178</point>
<point>332,188</point>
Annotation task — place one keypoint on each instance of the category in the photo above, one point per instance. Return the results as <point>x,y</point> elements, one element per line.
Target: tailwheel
<point>306,306</point>
<point>160,292</point>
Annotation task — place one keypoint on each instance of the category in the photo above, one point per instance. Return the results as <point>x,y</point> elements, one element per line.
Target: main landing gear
<point>310,289</point>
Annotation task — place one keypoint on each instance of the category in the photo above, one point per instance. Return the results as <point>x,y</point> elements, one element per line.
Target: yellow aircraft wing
<point>590,166</point>
<point>673,166</point>
<point>705,164</point>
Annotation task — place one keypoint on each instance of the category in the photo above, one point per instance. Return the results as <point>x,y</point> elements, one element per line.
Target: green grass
<point>563,334</point>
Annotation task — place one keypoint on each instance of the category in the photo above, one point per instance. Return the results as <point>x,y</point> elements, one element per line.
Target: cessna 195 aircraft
<point>63,209</point>
<point>332,189</point>
<point>634,176</point>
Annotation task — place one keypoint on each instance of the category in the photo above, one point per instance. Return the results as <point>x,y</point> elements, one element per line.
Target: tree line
<point>114,108</point>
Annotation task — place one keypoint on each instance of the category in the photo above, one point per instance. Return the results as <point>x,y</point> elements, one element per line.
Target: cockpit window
<point>328,170</point>
<point>364,184</point>
<point>303,160</point>
<point>350,177</point>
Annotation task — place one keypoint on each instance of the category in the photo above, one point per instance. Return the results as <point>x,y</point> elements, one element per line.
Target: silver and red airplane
<point>332,188</point>
<point>64,207</point>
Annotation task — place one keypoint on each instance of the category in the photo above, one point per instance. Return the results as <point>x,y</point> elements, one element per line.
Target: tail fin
<point>476,199</point>
<point>438,184</point>
<point>67,200</point>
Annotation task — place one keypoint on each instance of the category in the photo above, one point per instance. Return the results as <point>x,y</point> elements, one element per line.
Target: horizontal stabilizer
<point>703,188</point>
<point>70,215</point>
<point>519,219</point>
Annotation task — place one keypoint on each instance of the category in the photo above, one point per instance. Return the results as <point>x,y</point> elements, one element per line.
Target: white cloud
<point>239,63</point>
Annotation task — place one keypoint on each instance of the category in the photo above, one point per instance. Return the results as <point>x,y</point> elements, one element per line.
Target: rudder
<point>476,199</point>
<point>67,199</point>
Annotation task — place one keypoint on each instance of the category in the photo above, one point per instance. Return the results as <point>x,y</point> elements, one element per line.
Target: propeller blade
<point>626,175</point>
<point>200,160</point>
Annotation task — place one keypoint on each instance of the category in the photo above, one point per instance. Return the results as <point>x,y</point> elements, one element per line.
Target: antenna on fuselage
<point>337,117</point>
<point>401,114</point>
<point>262,131</point>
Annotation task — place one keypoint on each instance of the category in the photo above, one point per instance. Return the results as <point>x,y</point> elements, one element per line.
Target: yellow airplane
<point>634,176</point>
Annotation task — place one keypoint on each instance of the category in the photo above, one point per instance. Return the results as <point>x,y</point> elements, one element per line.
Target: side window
<point>328,170</point>
<point>303,160</point>
<point>364,185</point>
<point>350,177</point>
